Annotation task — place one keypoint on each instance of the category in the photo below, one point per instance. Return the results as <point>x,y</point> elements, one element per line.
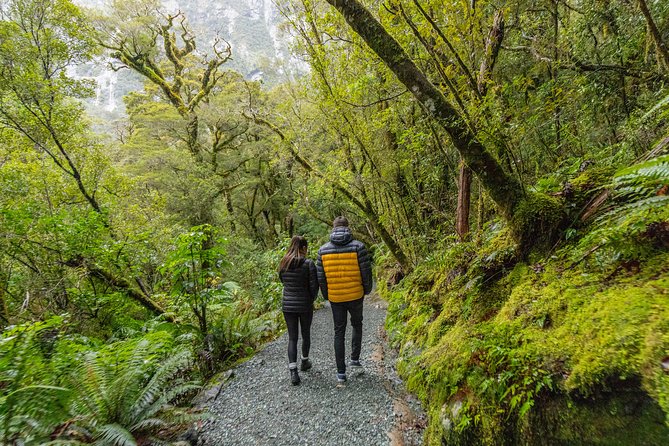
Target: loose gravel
<point>257,405</point>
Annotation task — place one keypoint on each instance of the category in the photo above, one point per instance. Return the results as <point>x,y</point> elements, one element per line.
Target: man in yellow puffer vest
<point>345,277</point>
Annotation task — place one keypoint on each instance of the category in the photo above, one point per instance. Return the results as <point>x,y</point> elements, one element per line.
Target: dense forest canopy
<point>459,137</point>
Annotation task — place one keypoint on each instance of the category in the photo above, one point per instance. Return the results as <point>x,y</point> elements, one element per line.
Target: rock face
<point>251,27</point>
<point>259,49</point>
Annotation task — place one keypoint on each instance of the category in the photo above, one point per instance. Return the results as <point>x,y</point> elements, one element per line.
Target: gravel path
<point>257,405</point>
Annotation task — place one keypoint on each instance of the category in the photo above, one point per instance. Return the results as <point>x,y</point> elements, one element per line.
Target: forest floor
<point>256,404</point>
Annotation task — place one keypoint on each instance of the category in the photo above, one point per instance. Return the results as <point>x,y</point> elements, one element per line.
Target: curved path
<point>257,405</point>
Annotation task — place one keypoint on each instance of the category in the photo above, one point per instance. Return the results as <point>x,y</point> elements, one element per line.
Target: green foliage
<point>63,386</point>
<point>255,270</point>
<point>90,225</point>
<point>239,328</point>
<point>126,395</point>
<point>30,405</point>
<point>194,270</point>
<point>640,212</point>
<point>232,320</point>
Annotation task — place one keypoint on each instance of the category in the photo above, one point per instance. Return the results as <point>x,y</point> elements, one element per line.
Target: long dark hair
<point>293,256</point>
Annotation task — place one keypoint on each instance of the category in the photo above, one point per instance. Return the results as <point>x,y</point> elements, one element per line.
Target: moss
<point>592,178</point>
<point>538,352</point>
<point>536,222</point>
<point>620,418</point>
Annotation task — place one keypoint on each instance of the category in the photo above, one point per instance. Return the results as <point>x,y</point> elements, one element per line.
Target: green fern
<point>30,405</point>
<point>644,179</point>
<point>639,201</point>
<point>237,330</point>
<point>119,403</point>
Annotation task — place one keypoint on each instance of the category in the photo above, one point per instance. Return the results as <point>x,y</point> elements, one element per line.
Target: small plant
<point>236,330</point>
<point>193,269</point>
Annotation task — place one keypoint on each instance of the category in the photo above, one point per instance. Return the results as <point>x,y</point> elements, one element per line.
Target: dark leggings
<point>297,322</point>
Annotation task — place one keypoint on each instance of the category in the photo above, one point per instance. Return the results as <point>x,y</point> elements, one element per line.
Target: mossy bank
<point>567,348</point>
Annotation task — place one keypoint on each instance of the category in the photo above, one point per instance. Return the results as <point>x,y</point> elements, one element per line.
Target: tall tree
<point>39,111</point>
<point>504,189</point>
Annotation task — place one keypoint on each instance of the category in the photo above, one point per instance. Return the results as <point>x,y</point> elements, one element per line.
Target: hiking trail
<point>257,404</point>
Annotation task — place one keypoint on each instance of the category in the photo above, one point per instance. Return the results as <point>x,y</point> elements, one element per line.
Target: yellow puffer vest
<point>344,281</point>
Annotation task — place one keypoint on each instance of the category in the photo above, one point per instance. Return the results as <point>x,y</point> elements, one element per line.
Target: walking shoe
<point>355,363</point>
<point>305,364</point>
<point>341,378</point>
<point>294,377</point>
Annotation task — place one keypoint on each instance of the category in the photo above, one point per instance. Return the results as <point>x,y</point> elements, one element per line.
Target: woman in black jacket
<point>300,287</point>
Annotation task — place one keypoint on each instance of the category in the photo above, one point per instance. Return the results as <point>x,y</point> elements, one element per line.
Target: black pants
<point>339,312</point>
<point>297,322</point>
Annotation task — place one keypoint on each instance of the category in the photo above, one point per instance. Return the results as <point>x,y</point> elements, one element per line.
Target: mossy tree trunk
<point>504,190</point>
<point>660,45</point>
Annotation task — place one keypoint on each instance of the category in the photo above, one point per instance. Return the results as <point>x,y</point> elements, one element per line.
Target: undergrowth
<point>569,346</point>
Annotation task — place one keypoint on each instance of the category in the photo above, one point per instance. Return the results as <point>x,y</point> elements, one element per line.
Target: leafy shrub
<point>31,406</point>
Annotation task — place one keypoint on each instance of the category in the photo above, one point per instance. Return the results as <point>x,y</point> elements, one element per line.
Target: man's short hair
<point>340,221</point>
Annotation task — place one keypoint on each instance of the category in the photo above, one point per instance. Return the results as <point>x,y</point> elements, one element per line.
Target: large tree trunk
<point>504,190</point>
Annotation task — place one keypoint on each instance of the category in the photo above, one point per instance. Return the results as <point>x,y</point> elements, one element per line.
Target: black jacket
<point>300,287</point>
<point>342,242</point>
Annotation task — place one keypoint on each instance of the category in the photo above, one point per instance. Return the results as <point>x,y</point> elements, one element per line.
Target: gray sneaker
<point>355,364</point>
<point>341,378</point>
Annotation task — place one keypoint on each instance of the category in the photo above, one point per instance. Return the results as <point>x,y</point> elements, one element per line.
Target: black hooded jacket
<point>300,286</point>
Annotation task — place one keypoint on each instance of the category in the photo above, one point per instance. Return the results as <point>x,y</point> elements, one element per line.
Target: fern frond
<point>156,386</point>
<point>63,443</point>
<point>115,435</point>
<point>93,389</point>
<point>663,103</point>
<point>167,397</point>
<point>620,214</point>
<point>148,424</point>
<point>622,227</point>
